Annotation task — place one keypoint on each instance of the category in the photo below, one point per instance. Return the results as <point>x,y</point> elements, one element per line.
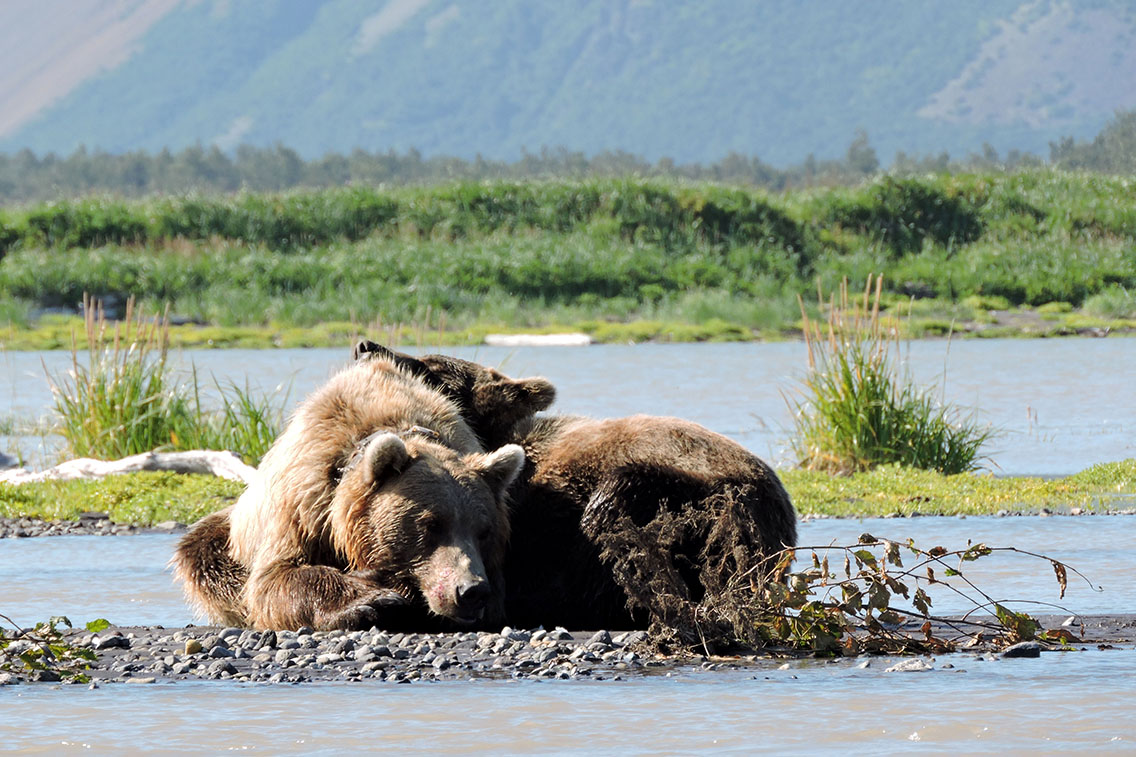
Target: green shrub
<point>91,222</point>
<point>124,400</point>
<point>1114,302</point>
<point>902,213</point>
<point>859,412</point>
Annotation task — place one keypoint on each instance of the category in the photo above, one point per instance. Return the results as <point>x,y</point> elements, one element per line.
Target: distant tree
<point>861,157</point>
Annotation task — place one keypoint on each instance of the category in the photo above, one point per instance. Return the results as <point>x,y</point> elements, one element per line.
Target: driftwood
<point>210,462</point>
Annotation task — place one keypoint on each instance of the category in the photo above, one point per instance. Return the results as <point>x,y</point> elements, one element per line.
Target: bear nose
<point>472,595</point>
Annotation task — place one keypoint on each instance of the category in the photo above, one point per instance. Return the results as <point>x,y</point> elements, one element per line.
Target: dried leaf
<point>866,538</point>
<point>1063,635</point>
<point>1062,576</point>
<point>930,575</point>
<point>922,602</point>
<point>937,551</point>
<point>891,552</point>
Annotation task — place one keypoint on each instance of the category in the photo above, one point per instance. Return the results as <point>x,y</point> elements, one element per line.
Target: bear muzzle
<point>470,599</point>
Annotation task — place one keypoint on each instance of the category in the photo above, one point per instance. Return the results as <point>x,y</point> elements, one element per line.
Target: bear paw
<point>371,610</point>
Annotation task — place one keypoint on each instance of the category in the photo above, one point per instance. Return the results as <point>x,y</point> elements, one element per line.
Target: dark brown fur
<point>620,522</point>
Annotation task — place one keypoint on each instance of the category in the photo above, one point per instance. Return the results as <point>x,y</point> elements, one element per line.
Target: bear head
<point>491,403</point>
<point>428,522</point>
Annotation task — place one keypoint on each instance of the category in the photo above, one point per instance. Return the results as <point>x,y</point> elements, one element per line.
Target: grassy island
<point>149,498</point>
<point>1038,252</point>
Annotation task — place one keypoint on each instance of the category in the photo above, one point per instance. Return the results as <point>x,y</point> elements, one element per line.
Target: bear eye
<point>484,534</point>
<point>435,527</point>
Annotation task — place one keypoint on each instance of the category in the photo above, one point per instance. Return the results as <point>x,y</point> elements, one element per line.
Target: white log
<point>209,462</point>
<point>538,340</point>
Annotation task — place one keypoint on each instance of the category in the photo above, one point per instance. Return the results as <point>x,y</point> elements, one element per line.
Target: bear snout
<point>470,598</point>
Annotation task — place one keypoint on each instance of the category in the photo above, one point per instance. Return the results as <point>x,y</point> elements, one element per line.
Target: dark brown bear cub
<point>622,522</point>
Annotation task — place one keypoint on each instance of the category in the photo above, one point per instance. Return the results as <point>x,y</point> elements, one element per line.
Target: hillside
<point>689,81</point>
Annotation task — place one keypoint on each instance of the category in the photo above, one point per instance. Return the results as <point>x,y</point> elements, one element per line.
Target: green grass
<point>144,498</point>
<point>149,498</point>
<point>123,400</point>
<point>858,410</point>
<point>506,256</point>
<point>893,490</point>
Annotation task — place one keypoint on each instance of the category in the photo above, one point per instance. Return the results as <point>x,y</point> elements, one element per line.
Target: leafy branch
<point>855,608</point>
<point>45,650</point>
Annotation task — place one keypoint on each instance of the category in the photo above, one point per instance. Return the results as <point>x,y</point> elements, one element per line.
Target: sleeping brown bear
<point>376,496</point>
<point>623,522</point>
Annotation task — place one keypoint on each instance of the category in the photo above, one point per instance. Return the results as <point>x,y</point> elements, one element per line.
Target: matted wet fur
<point>376,496</point>
<point>640,521</point>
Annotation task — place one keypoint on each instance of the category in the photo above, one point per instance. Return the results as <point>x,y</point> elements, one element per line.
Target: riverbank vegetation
<point>122,399</point>
<point>1034,252</point>
<point>859,410</point>
<point>889,491</point>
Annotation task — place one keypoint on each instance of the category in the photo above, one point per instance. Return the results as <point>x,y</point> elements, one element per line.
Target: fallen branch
<point>208,462</point>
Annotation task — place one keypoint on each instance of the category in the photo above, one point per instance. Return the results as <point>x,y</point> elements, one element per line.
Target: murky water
<point>1062,405</point>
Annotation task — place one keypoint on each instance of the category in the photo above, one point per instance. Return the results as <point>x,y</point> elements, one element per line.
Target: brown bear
<point>621,522</point>
<point>375,496</point>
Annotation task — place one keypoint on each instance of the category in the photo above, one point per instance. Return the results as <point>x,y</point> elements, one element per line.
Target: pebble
<point>88,524</point>
<point>203,652</point>
<point>1022,649</point>
<point>913,665</point>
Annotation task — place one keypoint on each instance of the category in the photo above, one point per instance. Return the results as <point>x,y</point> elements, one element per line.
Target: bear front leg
<point>288,596</point>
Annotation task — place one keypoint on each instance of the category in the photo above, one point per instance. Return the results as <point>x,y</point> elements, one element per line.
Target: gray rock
<point>914,665</point>
<point>222,666</point>
<point>46,676</point>
<point>547,654</point>
<point>1023,649</point>
<point>600,637</point>
<point>111,642</point>
<point>221,652</point>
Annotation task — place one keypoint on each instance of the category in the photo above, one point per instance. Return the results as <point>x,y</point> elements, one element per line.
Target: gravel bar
<point>88,524</point>
<point>153,654</point>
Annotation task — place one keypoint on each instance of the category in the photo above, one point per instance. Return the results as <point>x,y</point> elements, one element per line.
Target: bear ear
<point>500,468</point>
<point>385,456</point>
<point>537,393</point>
<point>365,348</point>
<point>515,398</point>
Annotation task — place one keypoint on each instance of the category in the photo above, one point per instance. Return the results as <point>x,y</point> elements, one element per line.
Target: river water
<point>1070,701</point>
<point>1062,405</point>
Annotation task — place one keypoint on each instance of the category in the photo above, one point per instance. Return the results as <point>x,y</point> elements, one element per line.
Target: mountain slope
<point>689,81</point>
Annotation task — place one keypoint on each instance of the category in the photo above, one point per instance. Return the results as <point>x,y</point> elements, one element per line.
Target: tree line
<point>26,177</point>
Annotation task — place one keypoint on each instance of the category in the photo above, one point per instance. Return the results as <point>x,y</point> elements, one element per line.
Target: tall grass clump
<point>124,399</point>
<point>858,411</point>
